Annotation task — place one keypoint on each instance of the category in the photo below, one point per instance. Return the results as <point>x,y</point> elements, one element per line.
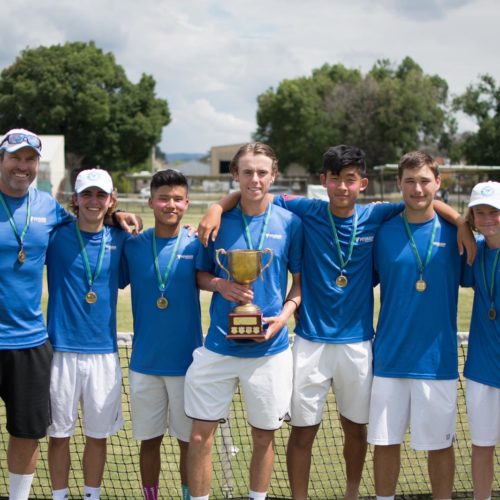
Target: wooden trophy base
<point>245,326</point>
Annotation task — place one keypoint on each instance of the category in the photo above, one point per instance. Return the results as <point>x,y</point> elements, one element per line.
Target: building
<point>52,169</point>
<point>221,156</point>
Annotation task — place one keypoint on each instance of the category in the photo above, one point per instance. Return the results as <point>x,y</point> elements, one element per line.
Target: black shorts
<point>24,387</point>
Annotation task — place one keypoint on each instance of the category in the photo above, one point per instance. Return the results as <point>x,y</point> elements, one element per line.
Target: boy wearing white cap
<point>83,272</point>
<point>482,367</point>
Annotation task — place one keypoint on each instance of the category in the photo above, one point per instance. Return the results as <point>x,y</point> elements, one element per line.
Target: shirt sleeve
<point>296,245</point>
<point>123,273</point>
<point>205,260</point>
<point>62,215</point>
<point>298,205</point>
<point>467,278</point>
<point>387,211</point>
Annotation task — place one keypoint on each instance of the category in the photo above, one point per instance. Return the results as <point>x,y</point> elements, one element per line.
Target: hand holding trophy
<point>244,267</point>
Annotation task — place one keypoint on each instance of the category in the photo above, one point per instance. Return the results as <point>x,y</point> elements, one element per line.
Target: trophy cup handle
<point>217,253</point>
<point>270,252</point>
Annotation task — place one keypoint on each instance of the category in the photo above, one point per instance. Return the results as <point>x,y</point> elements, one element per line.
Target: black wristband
<point>292,300</point>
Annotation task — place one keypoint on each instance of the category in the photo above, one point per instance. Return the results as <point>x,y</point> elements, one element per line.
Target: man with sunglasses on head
<point>27,217</point>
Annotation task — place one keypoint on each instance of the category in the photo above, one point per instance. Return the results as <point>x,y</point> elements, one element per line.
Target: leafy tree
<point>79,91</point>
<point>482,101</point>
<point>387,112</point>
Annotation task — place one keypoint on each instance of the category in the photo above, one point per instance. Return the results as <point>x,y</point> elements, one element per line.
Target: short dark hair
<point>338,157</point>
<point>168,177</point>
<point>417,159</point>
<point>255,148</point>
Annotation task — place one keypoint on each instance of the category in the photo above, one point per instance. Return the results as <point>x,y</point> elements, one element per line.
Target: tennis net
<point>232,453</point>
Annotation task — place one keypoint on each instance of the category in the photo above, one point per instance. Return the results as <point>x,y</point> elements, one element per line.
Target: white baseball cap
<point>19,138</point>
<point>94,177</point>
<point>486,193</point>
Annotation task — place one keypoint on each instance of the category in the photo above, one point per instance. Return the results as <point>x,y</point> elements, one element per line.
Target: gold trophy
<point>245,266</point>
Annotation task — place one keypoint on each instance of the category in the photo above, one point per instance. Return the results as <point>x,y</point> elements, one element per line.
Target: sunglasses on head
<point>18,138</point>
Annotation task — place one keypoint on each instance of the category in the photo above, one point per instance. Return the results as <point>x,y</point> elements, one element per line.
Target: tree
<point>79,91</point>
<point>482,102</point>
<point>386,112</point>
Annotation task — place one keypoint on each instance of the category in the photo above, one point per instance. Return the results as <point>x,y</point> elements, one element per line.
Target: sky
<point>212,58</point>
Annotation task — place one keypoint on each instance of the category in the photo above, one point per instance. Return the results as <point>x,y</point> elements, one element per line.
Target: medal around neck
<point>21,256</point>
<point>341,281</point>
<point>492,314</point>
<point>161,302</point>
<point>420,285</point>
<point>91,297</point>
<point>244,267</point>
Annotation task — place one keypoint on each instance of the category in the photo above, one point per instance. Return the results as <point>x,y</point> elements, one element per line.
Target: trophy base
<point>245,326</point>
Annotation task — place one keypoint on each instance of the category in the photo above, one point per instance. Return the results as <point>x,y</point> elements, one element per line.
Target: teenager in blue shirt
<point>415,347</point>
<point>161,266</point>
<point>482,366</point>
<point>83,274</point>
<point>262,368</point>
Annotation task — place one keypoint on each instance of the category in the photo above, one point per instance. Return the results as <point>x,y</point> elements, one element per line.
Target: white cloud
<point>200,118</point>
<point>211,59</point>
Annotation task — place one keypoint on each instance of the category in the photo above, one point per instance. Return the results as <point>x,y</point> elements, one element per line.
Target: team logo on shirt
<point>440,244</point>
<point>41,220</point>
<point>187,257</point>
<point>365,239</point>
<point>274,236</point>
<point>111,247</point>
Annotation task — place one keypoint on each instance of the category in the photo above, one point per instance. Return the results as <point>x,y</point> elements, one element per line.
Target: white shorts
<point>95,380</point>
<point>157,405</point>
<point>347,368</point>
<point>430,405</point>
<point>266,385</point>
<point>483,412</point>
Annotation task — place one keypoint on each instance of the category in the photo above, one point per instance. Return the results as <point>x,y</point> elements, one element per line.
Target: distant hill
<point>171,157</point>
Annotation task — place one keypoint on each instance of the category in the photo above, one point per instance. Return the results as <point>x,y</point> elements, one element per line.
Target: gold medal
<point>161,302</point>
<point>91,297</point>
<point>21,256</point>
<point>341,281</point>
<point>420,285</point>
<point>492,314</point>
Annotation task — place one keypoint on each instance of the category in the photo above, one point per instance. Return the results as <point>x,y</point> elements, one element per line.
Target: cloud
<point>211,59</point>
<point>423,10</point>
<point>200,118</point>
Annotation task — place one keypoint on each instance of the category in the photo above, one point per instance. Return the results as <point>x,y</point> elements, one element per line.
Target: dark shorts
<point>24,387</point>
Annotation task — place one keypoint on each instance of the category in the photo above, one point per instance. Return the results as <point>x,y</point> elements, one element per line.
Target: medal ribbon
<point>421,266</point>
<point>490,289</point>
<point>248,236</point>
<point>163,282</point>
<point>91,278</point>
<point>343,263</point>
<point>19,237</point>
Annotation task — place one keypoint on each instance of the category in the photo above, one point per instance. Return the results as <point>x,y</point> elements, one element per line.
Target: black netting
<point>232,454</point>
